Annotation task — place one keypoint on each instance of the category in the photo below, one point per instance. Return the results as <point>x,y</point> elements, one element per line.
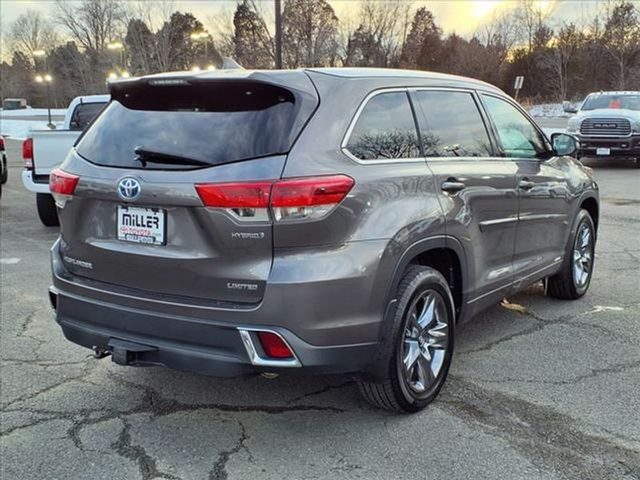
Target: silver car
<point>311,221</point>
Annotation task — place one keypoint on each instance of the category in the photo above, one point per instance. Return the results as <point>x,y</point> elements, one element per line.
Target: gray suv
<point>315,221</point>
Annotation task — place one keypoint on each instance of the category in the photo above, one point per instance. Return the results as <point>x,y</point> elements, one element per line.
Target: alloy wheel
<point>583,256</point>
<point>426,340</point>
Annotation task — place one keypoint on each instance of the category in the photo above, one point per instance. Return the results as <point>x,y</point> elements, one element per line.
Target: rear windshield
<point>84,114</point>
<point>210,123</point>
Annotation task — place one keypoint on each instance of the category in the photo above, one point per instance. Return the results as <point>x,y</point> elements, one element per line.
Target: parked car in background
<point>607,124</point>
<point>15,104</point>
<point>44,150</point>
<point>4,168</point>
<point>316,220</point>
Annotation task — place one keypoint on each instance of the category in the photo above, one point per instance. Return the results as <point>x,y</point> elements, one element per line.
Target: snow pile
<point>548,110</point>
<point>30,112</point>
<point>18,123</point>
<point>19,129</point>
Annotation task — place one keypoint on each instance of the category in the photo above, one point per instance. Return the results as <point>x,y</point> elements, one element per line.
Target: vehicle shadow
<point>607,162</point>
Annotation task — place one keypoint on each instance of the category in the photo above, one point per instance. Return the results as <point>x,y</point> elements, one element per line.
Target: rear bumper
<point>623,147</point>
<point>208,340</point>
<point>30,183</point>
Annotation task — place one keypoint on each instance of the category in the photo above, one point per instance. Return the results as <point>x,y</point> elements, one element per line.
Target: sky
<point>461,16</point>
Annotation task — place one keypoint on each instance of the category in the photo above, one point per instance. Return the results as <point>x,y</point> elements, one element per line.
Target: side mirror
<point>565,144</point>
<point>568,107</point>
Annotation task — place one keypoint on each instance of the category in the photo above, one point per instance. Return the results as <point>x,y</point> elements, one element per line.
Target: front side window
<point>385,129</point>
<point>451,125</point>
<point>519,138</point>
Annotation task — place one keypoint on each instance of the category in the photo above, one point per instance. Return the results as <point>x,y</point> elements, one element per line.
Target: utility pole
<point>278,35</point>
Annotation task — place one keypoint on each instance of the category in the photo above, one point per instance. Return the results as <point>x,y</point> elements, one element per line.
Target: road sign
<point>519,82</point>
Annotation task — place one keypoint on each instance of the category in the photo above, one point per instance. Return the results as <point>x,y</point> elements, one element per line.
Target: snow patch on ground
<point>548,110</point>
<point>19,129</point>
<point>30,112</point>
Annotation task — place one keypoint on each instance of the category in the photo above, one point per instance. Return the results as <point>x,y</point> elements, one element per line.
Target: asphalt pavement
<point>538,389</point>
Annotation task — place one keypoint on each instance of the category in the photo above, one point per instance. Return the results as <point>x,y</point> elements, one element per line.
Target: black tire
<point>47,210</point>
<point>637,162</point>
<point>564,285</point>
<point>5,171</point>
<point>395,392</point>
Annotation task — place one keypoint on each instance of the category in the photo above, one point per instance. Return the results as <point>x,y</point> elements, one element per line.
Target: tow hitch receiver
<point>126,353</point>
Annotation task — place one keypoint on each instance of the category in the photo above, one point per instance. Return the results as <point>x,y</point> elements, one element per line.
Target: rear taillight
<point>235,195</point>
<point>62,185</point>
<point>306,198</point>
<point>27,153</point>
<point>1,143</point>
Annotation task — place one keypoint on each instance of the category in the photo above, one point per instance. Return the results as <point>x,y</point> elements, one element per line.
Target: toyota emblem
<point>129,188</point>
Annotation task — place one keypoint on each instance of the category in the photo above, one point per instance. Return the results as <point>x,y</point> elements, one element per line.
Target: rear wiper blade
<point>144,155</point>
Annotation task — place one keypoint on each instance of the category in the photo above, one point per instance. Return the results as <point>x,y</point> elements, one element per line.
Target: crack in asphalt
<point>321,391</point>
<point>542,323</point>
<point>32,395</point>
<point>219,470</point>
<point>595,372</point>
<point>147,465</point>
<point>545,437</point>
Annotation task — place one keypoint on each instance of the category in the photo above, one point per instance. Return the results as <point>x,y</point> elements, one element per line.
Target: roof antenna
<point>230,64</point>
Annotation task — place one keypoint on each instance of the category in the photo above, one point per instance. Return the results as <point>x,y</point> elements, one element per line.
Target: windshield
<point>209,123</point>
<point>629,102</point>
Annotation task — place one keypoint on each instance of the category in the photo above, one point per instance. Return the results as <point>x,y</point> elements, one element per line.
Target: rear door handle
<point>452,186</point>
<point>526,184</point>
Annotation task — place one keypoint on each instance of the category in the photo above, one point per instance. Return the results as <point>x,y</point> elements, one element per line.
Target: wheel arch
<point>590,204</point>
<point>439,252</point>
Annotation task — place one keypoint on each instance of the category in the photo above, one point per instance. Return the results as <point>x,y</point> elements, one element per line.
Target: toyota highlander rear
<point>169,204</point>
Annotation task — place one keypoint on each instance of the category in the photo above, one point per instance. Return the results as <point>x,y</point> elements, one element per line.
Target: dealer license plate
<point>142,225</point>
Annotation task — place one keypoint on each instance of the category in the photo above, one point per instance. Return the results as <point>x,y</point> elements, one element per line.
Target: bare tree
<point>622,40</point>
<point>309,34</point>
<point>557,59</point>
<point>387,23</point>
<point>31,32</point>
<point>92,23</point>
<point>531,17</point>
<point>500,33</point>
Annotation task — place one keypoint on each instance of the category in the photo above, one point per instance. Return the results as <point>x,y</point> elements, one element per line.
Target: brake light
<point>274,346</point>
<point>235,195</point>
<point>1,143</point>
<point>62,185</point>
<point>27,153</point>
<point>304,198</point>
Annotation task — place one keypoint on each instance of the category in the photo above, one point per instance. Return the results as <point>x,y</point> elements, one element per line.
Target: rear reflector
<point>27,153</point>
<point>303,198</point>
<point>274,346</point>
<point>62,183</point>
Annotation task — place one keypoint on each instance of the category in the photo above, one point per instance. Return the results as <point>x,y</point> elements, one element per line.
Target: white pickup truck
<point>44,150</point>
<point>607,124</point>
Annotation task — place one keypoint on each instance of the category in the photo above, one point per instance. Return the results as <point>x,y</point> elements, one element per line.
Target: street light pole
<point>278,35</point>
<point>49,104</point>
<point>47,79</point>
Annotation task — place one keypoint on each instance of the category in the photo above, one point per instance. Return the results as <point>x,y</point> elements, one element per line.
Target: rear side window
<point>385,129</point>
<point>84,114</point>
<point>451,124</point>
<point>209,122</point>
